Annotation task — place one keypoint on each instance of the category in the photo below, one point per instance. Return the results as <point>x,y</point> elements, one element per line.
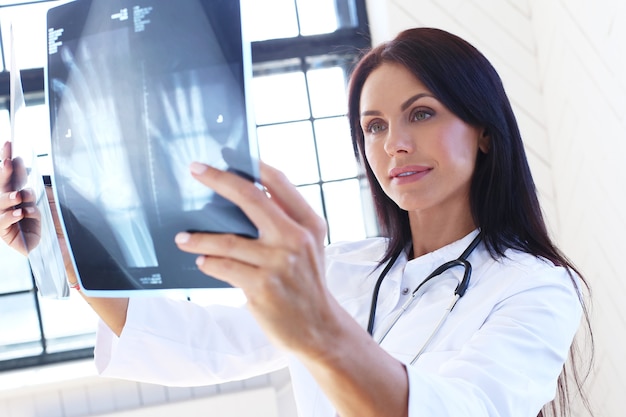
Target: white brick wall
<point>582,61</point>
<point>563,63</point>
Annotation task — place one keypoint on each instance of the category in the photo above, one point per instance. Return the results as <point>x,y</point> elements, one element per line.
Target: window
<point>301,61</point>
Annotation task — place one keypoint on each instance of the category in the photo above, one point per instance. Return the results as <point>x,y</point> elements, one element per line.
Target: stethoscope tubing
<point>458,293</point>
<point>442,320</point>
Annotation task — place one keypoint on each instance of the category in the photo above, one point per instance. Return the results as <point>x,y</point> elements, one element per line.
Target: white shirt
<point>499,353</point>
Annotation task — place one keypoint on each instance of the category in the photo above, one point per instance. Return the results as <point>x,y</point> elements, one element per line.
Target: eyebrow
<point>403,106</point>
<point>413,99</point>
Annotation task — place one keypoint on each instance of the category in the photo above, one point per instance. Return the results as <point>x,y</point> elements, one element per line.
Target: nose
<point>398,141</point>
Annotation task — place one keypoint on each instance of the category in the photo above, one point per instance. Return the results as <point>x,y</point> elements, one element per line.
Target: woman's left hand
<point>20,220</point>
<point>281,272</point>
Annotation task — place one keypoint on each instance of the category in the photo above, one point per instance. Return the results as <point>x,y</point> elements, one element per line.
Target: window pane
<point>344,210</point>
<point>19,326</point>
<point>326,16</point>
<point>334,146</point>
<point>269,19</point>
<point>38,131</point>
<point>273,19</point>
<point>15,271</point>
<point>68,324</point>
<point>280,97</point>
<point>327,87</point>
<point>290,148</point>
<point>29,32</point>
<point>317,16</point>
<point>5,124</point>
<point>313,195</point>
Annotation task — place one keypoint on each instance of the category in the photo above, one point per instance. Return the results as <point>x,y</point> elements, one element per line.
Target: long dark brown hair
<point>503,196</point>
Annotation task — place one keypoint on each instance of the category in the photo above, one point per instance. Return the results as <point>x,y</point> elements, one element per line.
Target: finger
<point>230,271</point>
<point>254,202</point>
<point>7,220</point>
<point>28,196</point>
<point>10,200</point>
<point>20,175</point>
<point>290,200</point>
<point>254,281</point>
<point>5,153</point>
<point>242,249</point>
<point>32,212</point>
<point>31,229</point>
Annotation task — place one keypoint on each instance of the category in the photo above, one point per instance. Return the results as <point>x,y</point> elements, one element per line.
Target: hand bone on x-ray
<point>96,164</point>
<point>201,120</point>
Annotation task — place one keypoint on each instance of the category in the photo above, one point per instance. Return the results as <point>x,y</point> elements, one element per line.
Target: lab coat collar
<point>432,260</point>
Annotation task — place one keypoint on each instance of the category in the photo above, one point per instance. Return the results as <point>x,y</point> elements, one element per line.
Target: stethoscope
<point>458,293</point>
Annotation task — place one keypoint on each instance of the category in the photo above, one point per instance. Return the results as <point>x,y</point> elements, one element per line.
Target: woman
<point>442,152</point>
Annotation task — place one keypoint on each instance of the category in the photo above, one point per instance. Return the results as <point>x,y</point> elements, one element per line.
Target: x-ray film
<point>37,227</point>
<point>138,90</point>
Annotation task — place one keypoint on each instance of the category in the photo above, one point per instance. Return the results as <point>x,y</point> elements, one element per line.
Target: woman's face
<point>421,153</point>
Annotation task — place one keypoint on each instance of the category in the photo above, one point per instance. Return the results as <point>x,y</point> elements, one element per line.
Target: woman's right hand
<point>20,221</point>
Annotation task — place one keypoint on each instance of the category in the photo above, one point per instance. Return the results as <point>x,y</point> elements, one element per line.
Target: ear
<point>484,141</point>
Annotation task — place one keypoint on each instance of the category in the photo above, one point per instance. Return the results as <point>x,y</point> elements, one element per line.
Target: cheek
<point>460,146</point>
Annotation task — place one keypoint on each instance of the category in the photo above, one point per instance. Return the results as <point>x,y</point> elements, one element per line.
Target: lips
<point>408,171</point>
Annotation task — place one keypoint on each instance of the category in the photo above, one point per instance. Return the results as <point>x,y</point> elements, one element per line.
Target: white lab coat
<point>498,354</point>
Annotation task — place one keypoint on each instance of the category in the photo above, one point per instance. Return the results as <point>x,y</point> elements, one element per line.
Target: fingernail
<point>29,210</point>
<point>197,168</point>
<point>17,213</point>
<point>13,195</point>
<point>182,237</point>
<point>200,260</point>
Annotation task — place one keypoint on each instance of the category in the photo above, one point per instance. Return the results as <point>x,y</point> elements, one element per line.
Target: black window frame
<point>345,42</point>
